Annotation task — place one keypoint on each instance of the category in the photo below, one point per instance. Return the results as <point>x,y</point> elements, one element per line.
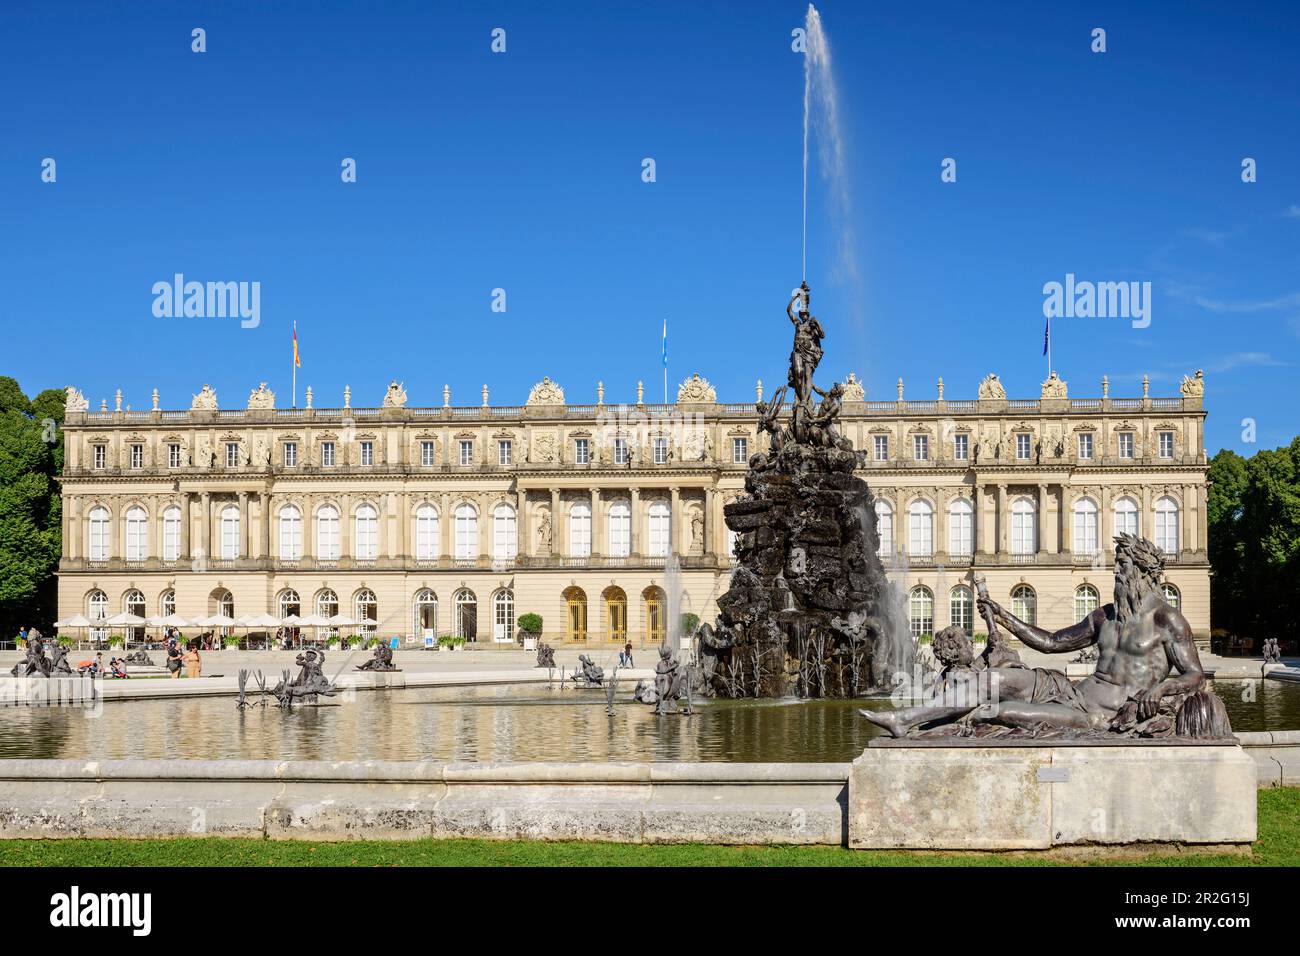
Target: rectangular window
<point>171,550</point>
<point>1126,444</point>
<point>1085,447</point>
<point>1023,447</point>
<point>505,452</point>
<point>426,454</point>
<point>961,447</point>
<point>232,454</point>
<point>921,447</point>
<point>327,454</point>
<point>290,454</point>
<point>581,455</point>
<point>739,451</point>
<point>1166,444</point>
<point>620,451</point>
<point>101,456</point>
<point>367,453</point>
<point>173,456</point>
<point>882,448</point>
<point>137,456</point>
<point>661,451</point>
<point>466,452</point>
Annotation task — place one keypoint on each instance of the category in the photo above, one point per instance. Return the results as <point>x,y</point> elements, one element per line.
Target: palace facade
<point>458,519</point>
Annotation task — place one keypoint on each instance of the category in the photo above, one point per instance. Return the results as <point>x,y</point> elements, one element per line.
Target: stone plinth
<point>957,795</point>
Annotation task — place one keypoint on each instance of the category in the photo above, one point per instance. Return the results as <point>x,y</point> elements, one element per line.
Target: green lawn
<point>1278,845</point>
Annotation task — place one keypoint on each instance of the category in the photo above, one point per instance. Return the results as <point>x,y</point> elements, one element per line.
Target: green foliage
<point>532,623</point>
<point>31,458</point>
<point>689,622</point>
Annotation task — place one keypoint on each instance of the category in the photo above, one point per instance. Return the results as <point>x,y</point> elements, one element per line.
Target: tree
<point>31,458</point>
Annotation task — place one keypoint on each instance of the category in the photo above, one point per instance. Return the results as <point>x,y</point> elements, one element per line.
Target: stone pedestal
<point>959,795</point>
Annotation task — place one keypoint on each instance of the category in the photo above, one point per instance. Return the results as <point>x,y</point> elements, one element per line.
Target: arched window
<point>1023,530</point>
<point>580,530</point>
<point>171,538</point>
<point>465,623</point>
<point>1085,527</point>
<point>885,527</point>
<point>222,602</point>
<point>466,532</point>
<point>1024,603</point>
<point>920,529</point>
<point>289,604</point>
<point>656,609</point>
<point>920,611</point>
<point>365,545</point>
<point>503,616</point>
<point>133,603</point>
<point>961,527</point>
<point>426,613</point>
<point>616,613</point>
<point>367,609</point>
<point>575,614</point>
<point>1167,525</point>
<point>1171,595</point>
<point>98,533</point>
<point>620,529</point>
<point>505,533</point>
<point>961,608</point>
<point>327,533</point>
<point>1126,517</point>
<point>427,538</point>
<point>136,524</point>
<point>230,532</point>
<point>167,603</point>
<point>1086,600</point>
<point>97,610</point>
<point>660,535</point>
<point>327,603</point>
<point>290,533</point>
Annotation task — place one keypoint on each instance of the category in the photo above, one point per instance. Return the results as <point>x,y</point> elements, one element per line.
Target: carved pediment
<point>261,398</point>
<point>991,387</point>
<point>395,397</point>
<point>853,390</point>
<point>546,392</point>
<point>696,391</point>
<point>1054,387</point>
<point>205,400</point>
<point>75,401</point>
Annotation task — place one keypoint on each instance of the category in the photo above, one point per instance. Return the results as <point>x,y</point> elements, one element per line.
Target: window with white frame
<point>289,603</point>
<point>885,527</point>
<point>173,456</point>
<point>229,532</point>
<point>882,447</point>
<point>961,447</point>
<point>961,527</point>
<point>1086,527</point>
<point>961,608</point>
<point>465,617</point>
<point>921,447</point>
<point>1024,603</point>
<point>503,616</point>
<point>427,454</point>
<point>427,539</point>
<point>661,451</point>
<point>136,525</point>
<point>920,611</point>
<point>1023,447</point>
<point>365,543</point>
<point>580,530</point>
<point>100,455</point>
<point>620,451</point>
<point>1085,446</point>
<point>1167,525</point>
<point>1086,600</point>
<point>171,537</point>
<point>232,454</point>
<point>167,603</point>
<point>1171,595</point>
<point>466,451</point>
<point>367,609</point>
<point>620,529</point>
<point>505,452</point>
<point>327,454</point>
<point>97,610</point>
<point>137,456</point>
<point>660,535</point>
<point>98,533</point>
<point>367,453</point>
<point>466,532</point>
<point>327,533</point>
<point>1023,527</point>
<point>581,451</point>
<point>1125,440</point>
<point>505,533</point>
<point>1166,440</point>
<point>290,533</point>
<point>920,529</point>
<point>291,454</point>
<point>739,451</point>
<point>1126,517</point>
<point>327,603</point>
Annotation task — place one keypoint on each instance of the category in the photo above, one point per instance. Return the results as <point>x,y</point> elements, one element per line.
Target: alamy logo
<point>208,300</point>
<point>74,909</point>
<point>1102,300</point>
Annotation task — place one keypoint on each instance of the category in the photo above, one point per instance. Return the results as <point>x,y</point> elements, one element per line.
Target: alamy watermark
<point>208,300</point>
<point>1100,300</point>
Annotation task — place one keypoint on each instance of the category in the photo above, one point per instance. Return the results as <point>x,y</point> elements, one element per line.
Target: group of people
<point>187,658</point>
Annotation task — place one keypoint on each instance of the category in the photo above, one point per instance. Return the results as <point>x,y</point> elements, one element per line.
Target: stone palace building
<point>455,520</point>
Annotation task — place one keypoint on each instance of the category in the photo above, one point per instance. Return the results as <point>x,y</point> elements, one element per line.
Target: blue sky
<point>522,171</point>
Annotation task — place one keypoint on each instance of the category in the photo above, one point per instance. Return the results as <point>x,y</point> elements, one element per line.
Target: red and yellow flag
<point>297,362</point>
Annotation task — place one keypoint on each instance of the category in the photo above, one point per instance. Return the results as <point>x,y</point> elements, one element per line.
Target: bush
<point>689,622</point>
<point>66,641</point>
<point>117,642</point>
<point>531,623</point>
<point>370,642</point>
<point>332,642</point>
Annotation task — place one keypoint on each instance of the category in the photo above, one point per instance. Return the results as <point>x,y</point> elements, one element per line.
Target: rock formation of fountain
<point>809,610</point>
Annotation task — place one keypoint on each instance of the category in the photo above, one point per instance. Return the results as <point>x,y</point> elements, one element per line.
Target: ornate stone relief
<point>1193,386</point>
<point>395,397</point>
<point>261,398</point>
<point>205,401</point>
<point>1053,387</point>
<point>991,387</point>
<point>696,391</point>
<point>76,401</point>
<point>546,392</point>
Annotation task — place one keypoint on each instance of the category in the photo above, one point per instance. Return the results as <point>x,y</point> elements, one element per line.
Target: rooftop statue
<point>206,400</point>
<point>1194,387</point>
<point>261,398</point>
<point>395,397</point>
<point>76,401</point>
<point>991,387</point>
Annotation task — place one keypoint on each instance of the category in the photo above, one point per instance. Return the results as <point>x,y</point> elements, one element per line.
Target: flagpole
<point>295,364</point>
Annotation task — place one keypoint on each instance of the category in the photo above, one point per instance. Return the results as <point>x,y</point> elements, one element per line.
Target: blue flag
<point>1047,334</point>
<point>665,343</point>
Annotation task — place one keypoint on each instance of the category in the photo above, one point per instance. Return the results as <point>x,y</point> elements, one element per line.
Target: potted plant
<point>530,630</point>
<point>446,643</point>
<point>116,641</point>
<point>333,642</point>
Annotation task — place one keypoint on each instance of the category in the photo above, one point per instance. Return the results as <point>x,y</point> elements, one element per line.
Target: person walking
<point>174,660</point>
<point>193,663</point>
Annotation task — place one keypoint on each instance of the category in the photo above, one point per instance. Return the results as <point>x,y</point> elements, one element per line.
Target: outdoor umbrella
<point>76,621</point>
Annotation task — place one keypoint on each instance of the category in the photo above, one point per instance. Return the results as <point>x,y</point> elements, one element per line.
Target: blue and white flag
<point>665,343</point>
